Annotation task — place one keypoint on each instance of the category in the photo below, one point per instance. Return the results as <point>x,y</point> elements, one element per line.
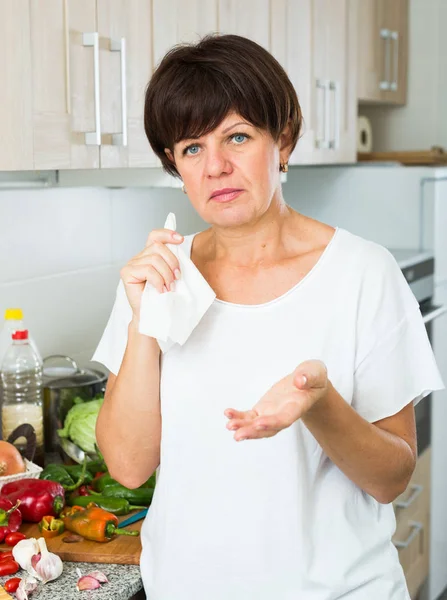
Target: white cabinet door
<point>16,150</point>
<point>125,33</point>
<point>250,18</point>
<point>178,21</point>
<point>291,44</point>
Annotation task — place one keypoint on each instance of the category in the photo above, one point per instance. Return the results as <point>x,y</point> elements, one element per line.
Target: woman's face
<point>232,173</point>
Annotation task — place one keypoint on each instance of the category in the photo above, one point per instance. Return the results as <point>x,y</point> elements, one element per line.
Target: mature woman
<point>314,351</point>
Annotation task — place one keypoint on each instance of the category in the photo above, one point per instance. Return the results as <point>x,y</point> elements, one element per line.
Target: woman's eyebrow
<point>234,125</point>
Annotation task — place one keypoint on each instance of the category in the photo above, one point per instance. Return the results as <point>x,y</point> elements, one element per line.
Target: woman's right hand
<point>155,264</point>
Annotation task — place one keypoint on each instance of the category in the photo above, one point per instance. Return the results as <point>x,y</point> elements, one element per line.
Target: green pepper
<point>102,482</point>
<point>137,496</point>
<point>116,506</point>
<point>75,472</point>
<point>57,473</point>
<point>96,466</point>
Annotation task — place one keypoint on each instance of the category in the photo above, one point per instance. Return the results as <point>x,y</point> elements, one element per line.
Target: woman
<point>314,350</point>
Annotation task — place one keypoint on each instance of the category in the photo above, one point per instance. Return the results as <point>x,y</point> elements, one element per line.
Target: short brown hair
<point>195,86</point>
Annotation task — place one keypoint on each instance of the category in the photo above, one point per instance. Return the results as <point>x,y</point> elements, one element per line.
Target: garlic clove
<point>50,566</point>
<point>35,559</point>
<point>27,586</point>
<point>23,553</point>
<point>99,575</point>
<point>86,582</point>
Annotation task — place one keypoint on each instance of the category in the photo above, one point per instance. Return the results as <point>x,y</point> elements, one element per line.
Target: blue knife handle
<point>134,518</point>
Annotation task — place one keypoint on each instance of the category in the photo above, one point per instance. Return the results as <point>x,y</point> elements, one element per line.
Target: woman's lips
<point>226,195</point>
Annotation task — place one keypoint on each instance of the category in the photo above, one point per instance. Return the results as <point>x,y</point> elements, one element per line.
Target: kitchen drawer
<point>412,536</point>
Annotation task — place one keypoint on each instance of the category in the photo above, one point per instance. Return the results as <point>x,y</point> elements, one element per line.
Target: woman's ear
<point>285,143</point>
<point>169,155</point>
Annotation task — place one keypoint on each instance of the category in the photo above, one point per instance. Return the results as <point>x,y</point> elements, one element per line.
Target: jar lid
<point>13,314</point>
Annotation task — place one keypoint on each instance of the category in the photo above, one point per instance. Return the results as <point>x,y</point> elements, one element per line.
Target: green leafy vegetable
<point>80,424</point>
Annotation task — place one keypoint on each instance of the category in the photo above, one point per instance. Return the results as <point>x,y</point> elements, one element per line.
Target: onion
<point>11,461</point>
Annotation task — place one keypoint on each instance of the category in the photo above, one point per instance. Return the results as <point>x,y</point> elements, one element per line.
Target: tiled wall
<point>61,249</point>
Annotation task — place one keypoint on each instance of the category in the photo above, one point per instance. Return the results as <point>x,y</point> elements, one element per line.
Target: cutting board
<point>122,550</point>
<point>3,594</point>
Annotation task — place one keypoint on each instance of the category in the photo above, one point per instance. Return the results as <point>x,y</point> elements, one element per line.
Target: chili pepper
<point>10,517</point>
<point>14,537</point>
<point>51,527</point>
<point>117,506</point>
<point>12,584</point>
<point>95,524</point>
<point>8,567</point>
<point>137,496</point>
<point>96,466</point>
<point>75,472</point>
<point>102,482</point>
<point>38,497</point>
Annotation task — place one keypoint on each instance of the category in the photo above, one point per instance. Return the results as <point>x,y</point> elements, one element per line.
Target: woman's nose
<point>217,163</point>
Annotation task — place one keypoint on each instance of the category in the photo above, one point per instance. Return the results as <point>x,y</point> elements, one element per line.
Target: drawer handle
<point>416,529</point>
<point>417,489</point>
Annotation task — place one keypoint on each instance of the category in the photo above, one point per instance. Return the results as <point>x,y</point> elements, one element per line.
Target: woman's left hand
<point>286,402</point>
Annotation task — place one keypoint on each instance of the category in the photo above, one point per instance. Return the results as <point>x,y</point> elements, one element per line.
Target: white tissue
<point>170,317</point>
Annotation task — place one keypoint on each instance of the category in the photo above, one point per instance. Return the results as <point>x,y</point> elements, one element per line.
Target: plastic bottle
<point>13,322</point>
<point>21,378</point>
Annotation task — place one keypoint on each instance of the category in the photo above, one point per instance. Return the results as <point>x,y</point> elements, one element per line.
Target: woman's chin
<point>234,216</point>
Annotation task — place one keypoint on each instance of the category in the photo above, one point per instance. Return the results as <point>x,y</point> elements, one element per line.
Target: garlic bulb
<point>26,586</point>
<point>23,553</point>
<point>50,566</point>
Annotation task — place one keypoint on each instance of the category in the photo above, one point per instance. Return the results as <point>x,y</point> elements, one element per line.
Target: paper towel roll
<point>364,135</point>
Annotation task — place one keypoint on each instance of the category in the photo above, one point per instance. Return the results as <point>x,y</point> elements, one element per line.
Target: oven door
<point>422,410</point>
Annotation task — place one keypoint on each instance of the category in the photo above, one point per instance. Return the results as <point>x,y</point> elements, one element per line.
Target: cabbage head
<point>80,424</point>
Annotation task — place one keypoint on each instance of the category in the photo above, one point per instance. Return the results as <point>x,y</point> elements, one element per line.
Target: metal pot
<point>62,383</point>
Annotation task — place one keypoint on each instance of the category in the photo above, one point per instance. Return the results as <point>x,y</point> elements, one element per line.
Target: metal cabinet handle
<point>93,138</point>
<point>416,528</point>
<point>394,35</point>
<point>416,491</point>
<point>324,85</point>
<point>335,142</point>
<point>385,34</point>
<point>120,139</point>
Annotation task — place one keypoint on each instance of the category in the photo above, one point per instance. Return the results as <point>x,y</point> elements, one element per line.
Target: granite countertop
<point>124,583</point>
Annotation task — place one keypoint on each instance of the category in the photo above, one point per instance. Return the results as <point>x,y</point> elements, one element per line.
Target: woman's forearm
<point>128,428</point>
<point>378,461</point>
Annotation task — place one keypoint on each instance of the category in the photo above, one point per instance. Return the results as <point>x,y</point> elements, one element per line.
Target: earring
<point>283,167</point>
<point>184,189</point>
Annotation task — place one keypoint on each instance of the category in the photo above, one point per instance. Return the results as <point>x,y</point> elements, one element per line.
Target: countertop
<point>124,583</point>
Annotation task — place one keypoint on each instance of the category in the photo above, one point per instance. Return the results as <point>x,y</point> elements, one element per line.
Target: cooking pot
<point>63,381</point>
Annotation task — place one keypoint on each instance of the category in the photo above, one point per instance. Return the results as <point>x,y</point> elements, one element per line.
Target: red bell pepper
<point>38,497</point>
<point>10,517</point>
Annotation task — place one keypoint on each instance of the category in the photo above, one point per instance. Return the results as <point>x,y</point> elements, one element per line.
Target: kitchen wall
<point>61,249</point>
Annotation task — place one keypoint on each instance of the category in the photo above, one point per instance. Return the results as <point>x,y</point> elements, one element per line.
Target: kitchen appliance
<point>63,381</point>
<point>418,269</point>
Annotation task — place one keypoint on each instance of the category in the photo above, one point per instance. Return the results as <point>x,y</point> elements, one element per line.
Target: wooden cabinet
<point>250,18</point>
<point>91,60</point>
<point>412,537</point>
<point>16,150</point>
<point>382,51</point>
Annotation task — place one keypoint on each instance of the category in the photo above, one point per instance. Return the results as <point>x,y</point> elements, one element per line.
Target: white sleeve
<point>112,346</point>
<point>395,364</point>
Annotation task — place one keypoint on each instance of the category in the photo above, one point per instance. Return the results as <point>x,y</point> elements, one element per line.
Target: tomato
<point>6,555</point>
<point>8,567</point>
<point>12,584</point>
<point>14,537</point>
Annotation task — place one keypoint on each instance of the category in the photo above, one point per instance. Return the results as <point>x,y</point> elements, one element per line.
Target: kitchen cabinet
<point>91,60</point>
<point>382,51</point>
<point>412,536</point>
<point>16,150</point>
<point>250,18</point>
<point>315,41</point>
<point>176,21</point>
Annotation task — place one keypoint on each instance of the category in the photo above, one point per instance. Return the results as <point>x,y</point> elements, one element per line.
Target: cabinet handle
<point>67,58</point>
<point>324,85</point>
<point>385,34</point>
<point>93,138</point>
<point>416,491</point>
<point>394,35</point>
<point>120,139</point>
<point>416,528</point>
<point>335,142</point>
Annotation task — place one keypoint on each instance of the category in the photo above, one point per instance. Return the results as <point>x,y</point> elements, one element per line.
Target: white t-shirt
<point>275,519</point>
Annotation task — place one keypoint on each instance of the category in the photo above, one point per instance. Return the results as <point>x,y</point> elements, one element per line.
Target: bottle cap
<point>13,314</point>
<point>20,335</point>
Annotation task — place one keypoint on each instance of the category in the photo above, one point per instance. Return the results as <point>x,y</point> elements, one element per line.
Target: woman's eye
<point>192,150</point>
<point>239,138</point>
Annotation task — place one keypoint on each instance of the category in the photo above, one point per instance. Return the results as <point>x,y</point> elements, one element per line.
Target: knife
<point>136,517</point>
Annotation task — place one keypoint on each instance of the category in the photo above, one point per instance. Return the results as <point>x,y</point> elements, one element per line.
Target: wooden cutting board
<point>123,550</point>
<point>4,594</point>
